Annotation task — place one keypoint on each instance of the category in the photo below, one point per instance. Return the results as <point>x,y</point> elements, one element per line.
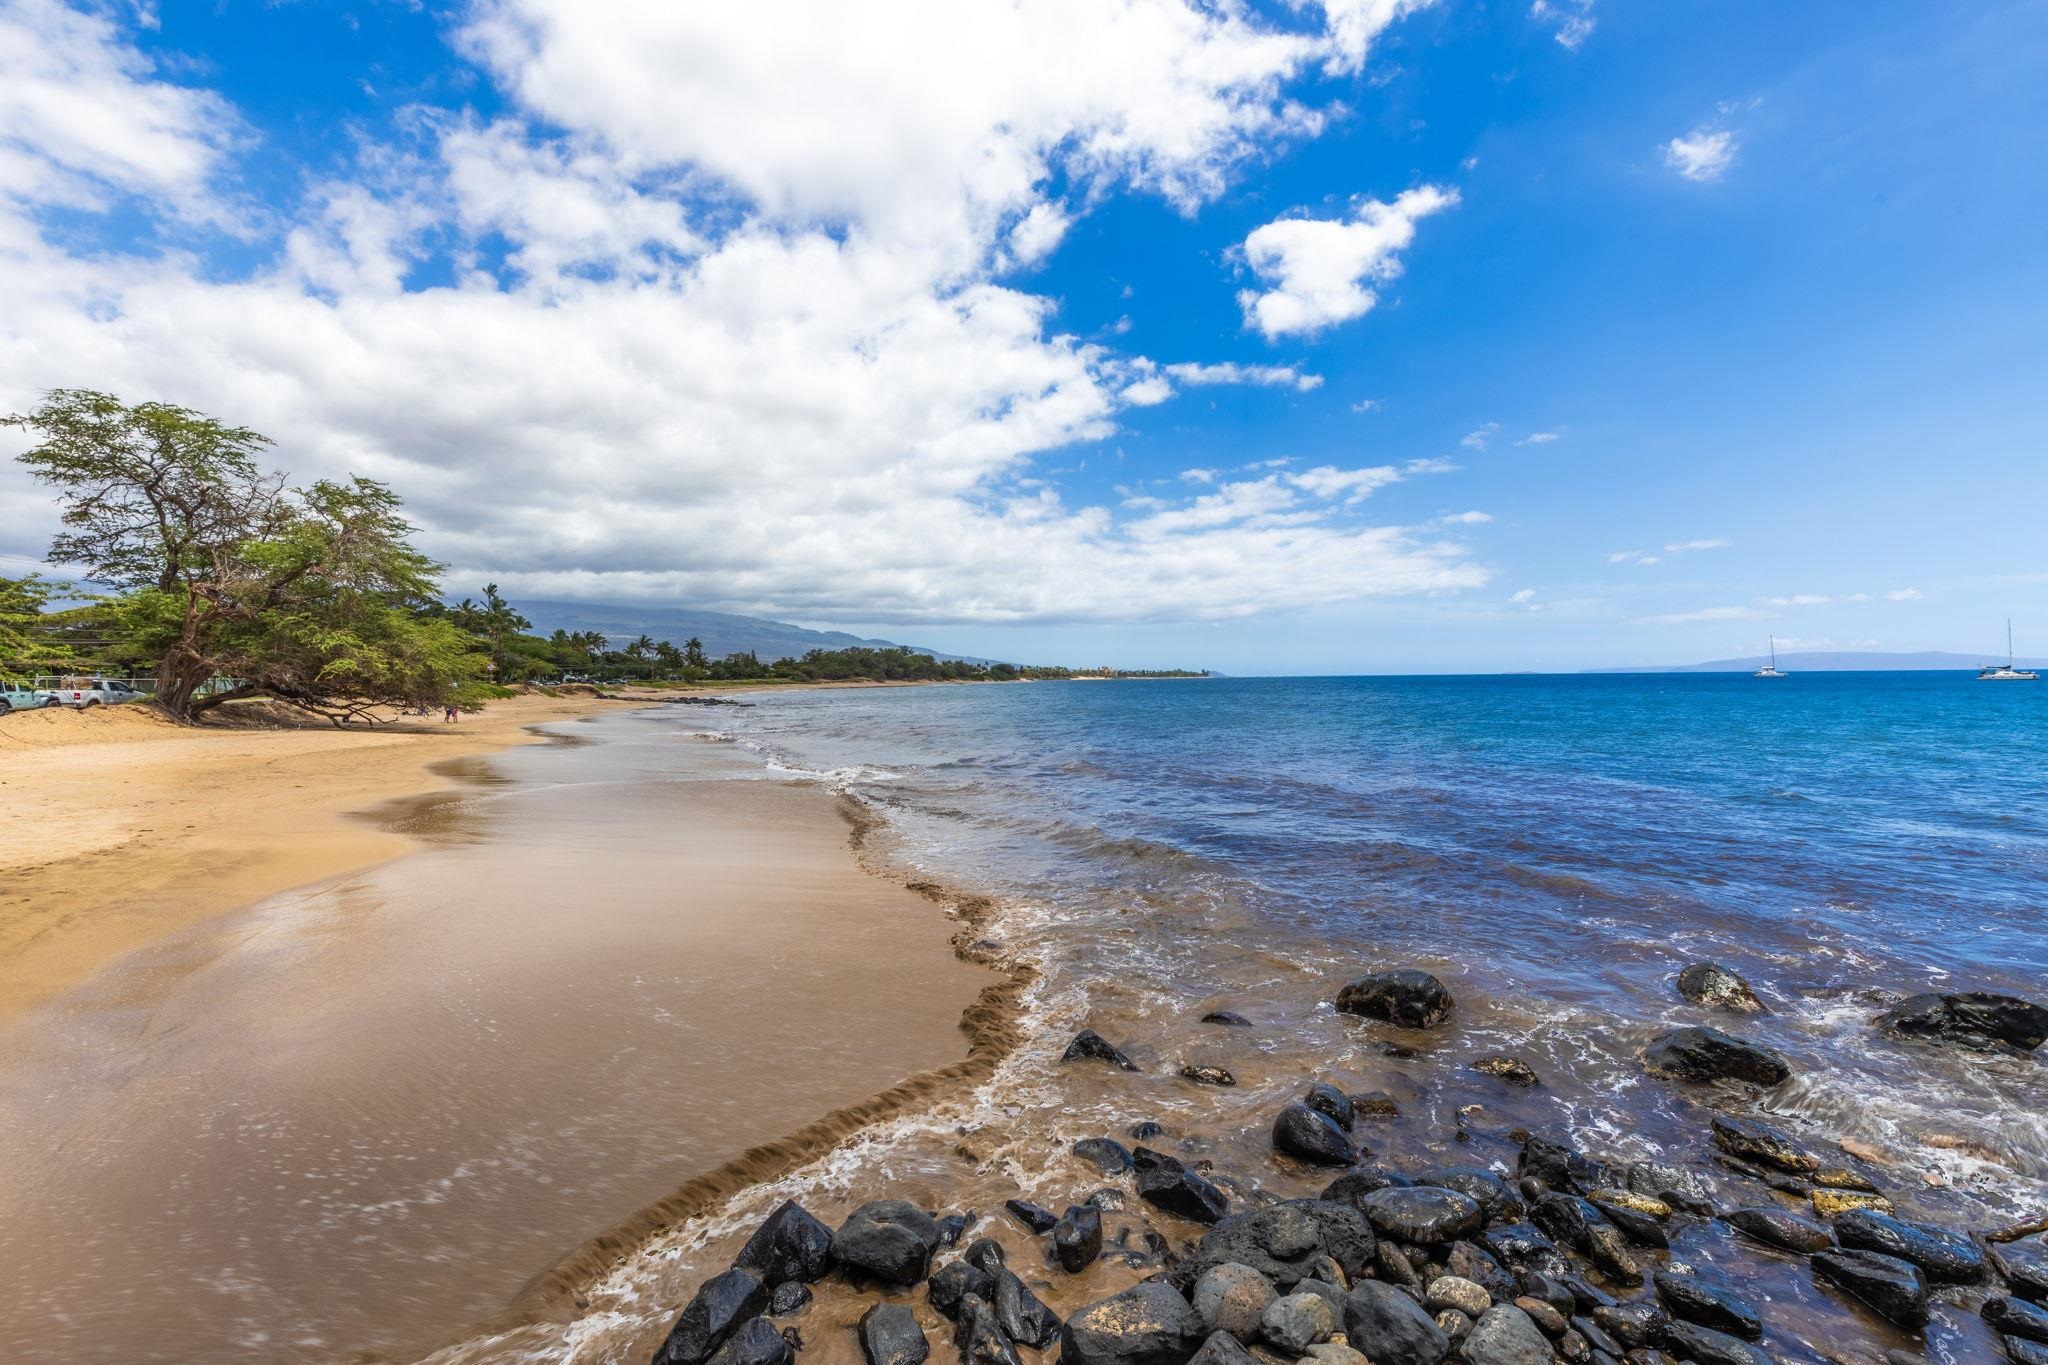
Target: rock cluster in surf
<point>1564,1258</point>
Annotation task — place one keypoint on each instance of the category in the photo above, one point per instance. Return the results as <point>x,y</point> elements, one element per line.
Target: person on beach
<point>452,715</point>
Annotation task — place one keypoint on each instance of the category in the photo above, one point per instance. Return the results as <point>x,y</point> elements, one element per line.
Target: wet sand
<point>363,1114</point>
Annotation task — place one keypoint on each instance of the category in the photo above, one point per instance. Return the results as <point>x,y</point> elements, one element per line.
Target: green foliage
<point>25,643</point>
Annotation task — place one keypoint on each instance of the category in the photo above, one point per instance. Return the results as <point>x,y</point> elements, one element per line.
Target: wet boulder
<point>1148,1324</point>
<point>1561,1167</point>
<point>889,1240</point>
<point>1695,1342</point>
<point>1567,1219</point>
<point>980,1339</point>
<point>2016,1318</point>
<point>754,1342</point>
<point>1088,1045</point>
<point>719,1306</point>
<point>1455,1291</point>
<point>1712,986</point>
<point>2020,1351</point>
<point>1325,1098</point>
<point>1077,1238</point>
<point>789,1298</point>
<point>1943,1256</point>
<point>1777,1228</point>
<point>986,1255</point>
<point>789,1245</point>
<point>1422,1215</point>
<point>1165,1183</point>
<point>1710,1305</point>
<point>1521,1247</point>
<point>1762,1144</point>
<point>1678,1186</point>
<point>1105,1154</point>
<point>1223,1349</point>
<point>1202,1073</point>
<point>1294,1322</point>
<point>1707,1054</point>
<point>1310,1135</point>
<point>889,1335</point>
<point>2024,1264</point>
<point>1390,1328</point>
<point>954,1226</point>
<point>1037,1217</point>
<point>1639,1227</point>
<point>956,1283</point>
<point>1286,1242</point>
<point>1231,1298</point>
<point>1891,1286</point>
<point>1497,1199</point>
<point>1412,999</point>
<point>1635,1325</point>
<point>1469,1262</point>
<point>1978,1020</point>
<point>1505,1335</point>
<point>1227,1018</point>
<point>1353,1186</point>
<point>1020,1314</point>
<point>1513,1070</point>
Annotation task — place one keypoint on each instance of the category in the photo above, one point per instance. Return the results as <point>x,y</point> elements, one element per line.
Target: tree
<point>24,626</point>
<point>316,596</point>
<point>693,652</point>
<point>495,622</point>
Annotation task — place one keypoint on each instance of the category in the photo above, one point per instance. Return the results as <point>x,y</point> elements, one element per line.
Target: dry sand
<point>118,827</point>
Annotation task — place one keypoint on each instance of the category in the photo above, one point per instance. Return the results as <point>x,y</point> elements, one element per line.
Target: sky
<point>1351,336</point>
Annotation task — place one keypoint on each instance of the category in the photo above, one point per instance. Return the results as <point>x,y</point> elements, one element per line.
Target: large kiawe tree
<point>237,586</point>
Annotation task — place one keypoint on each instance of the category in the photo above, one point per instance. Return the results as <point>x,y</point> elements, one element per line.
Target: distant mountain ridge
<point>1841,661</point>
<point>722,632</point>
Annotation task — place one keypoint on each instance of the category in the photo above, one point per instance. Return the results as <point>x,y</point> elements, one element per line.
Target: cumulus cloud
<point>655,327</point>
<point>1903,595</point>
<point>1703,155</point>
<point>1320,271</point>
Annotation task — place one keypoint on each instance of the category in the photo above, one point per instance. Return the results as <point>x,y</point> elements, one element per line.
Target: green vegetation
<point>224,583</point>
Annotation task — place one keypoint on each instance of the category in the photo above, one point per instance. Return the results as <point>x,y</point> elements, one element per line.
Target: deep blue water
<point>1557,846</point>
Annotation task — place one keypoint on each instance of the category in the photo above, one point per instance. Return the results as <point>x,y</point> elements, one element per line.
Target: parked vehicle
<point>16,695</point>
<point>85,692</point>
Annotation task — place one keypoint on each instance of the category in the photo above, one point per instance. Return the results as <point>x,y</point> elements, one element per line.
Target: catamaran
<point>1770,670</point>
<point>2005,672</point>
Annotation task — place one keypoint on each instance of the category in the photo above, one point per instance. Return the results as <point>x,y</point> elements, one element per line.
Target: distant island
<point>1838,661</point>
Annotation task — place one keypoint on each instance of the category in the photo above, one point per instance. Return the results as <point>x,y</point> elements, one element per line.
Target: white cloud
<point>1200,475</point>
<point>1353,24</point>
<point>1624,556</point>
<point>1229,372</point>
<point>1903,595</point>
<point>1320,271</point>
<point>1685,546</point>
<point>1857,597</point>
<point>1525,595</point>
<point>1476,440</point>
<point>1703,155</point>
<point>1328,481</point>
<point>749,344</point>
<point>1465,519</point>
<point>1571,20</point>
<point>1366,405</point>
<point>1539,438</point>
<point>1801,599</point>
<point>1687,618</point>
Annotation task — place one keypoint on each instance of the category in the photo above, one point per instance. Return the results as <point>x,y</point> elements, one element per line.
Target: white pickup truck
<point>86,692</point>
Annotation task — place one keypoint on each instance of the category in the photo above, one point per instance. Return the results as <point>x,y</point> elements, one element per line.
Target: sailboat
<point>2005,672</point>
<point>1770,670</point>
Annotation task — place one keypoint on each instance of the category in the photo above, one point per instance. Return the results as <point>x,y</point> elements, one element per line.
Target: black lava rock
<point>888,1240</point>
<point>1148,1324</point>
<point>1520,1247</point>
<point>1353,1186</point>
<point>1634,1325</point>
<point>1088,1045</point>
<point>1077,1238</point>
<point>2016,1318</point>
<point>1328,1099</point>
<point>1207,1074</point>
<point>1777,1228</point>
<point>1422,1214</point>
<point>1568,1219</point>
<point>1165,1183</point>
<point>1021,1316</point>
<point>889,1335</point>
<point>1678,1186</point>
<point>1504,1335</point>
<point>1707,1054</point>
<point>1108,1156</point>
<point>754,1342</point>
<point>1312,1136</point>
<point>954,1284</point>
<point>1637,1226</point>
<point>1410,998</point>
<point>954,1226</point>
<point>1037,1217</point>
<point>1222,1349</point>
<point>1468,1262</point>
<point>1564,1168</point>
<point>1971,1019</point>
<point>1227,1018</point>
<point>791,1296</point>
<point>1716,988</point>
<point>986,1255</point>
<point>1695,1300</point>
<point>1692,1341</point>
<point>789,1245</point>
<point>1942,1255</point>
<point>1389,1328</point>
<point>2020,1351</point>
<point>1891,1286</point>
<point>1146,1131</point>
<point>1497,1199</point>
<point>1763,1144</point>
<point>1513,1070</point>
<point>980,1339</point>
<point>720,1305</point>
<point>1285,1242</point>
<point>2025,1267</point>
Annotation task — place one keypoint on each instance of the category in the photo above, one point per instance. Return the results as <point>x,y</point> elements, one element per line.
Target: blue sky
<point>1690,323</point>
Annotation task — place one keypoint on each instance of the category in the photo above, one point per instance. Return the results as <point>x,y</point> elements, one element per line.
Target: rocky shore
<point>1567,1256</point>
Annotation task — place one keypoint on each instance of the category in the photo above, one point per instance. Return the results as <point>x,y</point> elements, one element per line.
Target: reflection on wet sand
<point>358,1115</point>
